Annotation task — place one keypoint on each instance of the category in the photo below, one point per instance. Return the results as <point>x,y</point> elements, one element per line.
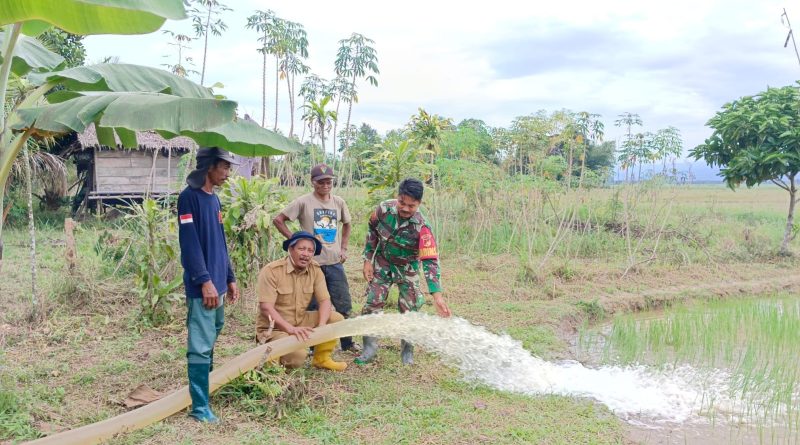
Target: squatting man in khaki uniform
<point>285,288</point>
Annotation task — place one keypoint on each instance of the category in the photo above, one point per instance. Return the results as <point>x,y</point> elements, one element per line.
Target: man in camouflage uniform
<point>398,238</point>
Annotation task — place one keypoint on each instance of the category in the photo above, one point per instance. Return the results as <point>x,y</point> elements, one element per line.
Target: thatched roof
<point>149,140</point>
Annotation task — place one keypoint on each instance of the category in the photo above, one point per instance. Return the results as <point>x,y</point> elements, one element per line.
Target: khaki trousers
<point>297,358</point>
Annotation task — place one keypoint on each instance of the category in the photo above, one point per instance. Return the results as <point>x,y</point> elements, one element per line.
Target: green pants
<point>406,277</point>
<point>204,325</point>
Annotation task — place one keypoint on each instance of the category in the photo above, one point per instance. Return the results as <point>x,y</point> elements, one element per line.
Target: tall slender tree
<point>356,59</point>
<point>340,90</point>
<point>181,43</point>
<point>261,22</point>
<point>627,155</point>
<point>667,143</point>
<point>283,38</point>
<point>294,49</point>
<point>206,20</point>
<point>312,89</point>
<point>589,129</point>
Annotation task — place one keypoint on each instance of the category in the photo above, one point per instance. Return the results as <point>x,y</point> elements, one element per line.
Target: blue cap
<point>302,234</point>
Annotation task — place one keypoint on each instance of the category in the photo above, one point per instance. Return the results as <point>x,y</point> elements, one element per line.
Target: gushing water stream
<point>499,361</point>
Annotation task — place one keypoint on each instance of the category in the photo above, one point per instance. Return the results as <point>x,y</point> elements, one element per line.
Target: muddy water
<point>721,416</point>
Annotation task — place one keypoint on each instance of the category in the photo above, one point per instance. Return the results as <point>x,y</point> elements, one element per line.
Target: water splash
<point>499,361</point>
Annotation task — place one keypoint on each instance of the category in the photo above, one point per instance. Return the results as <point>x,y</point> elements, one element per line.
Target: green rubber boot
<point>198,390</point>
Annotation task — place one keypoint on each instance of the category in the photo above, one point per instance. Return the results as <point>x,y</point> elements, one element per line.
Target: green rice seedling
<point>756,340</point>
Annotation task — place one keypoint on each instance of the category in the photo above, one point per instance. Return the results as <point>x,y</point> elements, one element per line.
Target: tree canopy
<point>757,139</point>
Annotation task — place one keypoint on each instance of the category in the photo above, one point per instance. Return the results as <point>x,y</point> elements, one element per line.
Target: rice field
<point>754,343</point>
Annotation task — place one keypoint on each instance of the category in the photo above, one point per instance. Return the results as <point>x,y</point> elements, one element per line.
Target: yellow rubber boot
<point>322,357</point>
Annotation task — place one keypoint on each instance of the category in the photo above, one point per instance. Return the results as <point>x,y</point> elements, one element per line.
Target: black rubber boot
<point>369,351</point>
<point>407,352</point>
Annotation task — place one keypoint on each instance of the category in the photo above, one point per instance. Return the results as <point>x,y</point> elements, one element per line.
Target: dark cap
<point>213,153</point>
<point>321,171</point>
<point>302,234</point>
<point>206,156</point>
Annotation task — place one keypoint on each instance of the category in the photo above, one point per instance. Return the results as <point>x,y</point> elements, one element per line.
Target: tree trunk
<point>322,139</point>
<point>291,106</point>
<point>583,167</point>
<point>303,135</point>
<point>264,91</point>
<point>787,234</point>
<point>205,46</point>
<point>265,166</point>
<point>349,112</point>
<point>36,311</point>
<point>569,167</point>
<point>336,123</point>
<point>277,78</point>
<point>69,237</point>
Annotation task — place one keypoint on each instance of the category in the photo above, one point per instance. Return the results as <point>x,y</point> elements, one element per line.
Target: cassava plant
<point>249,206</point>
<point>155,259</point>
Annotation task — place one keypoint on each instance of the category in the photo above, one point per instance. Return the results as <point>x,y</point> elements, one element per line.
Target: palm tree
<point>314,87</point>
<point>427,130</point>
<point>203,24</point>
<point>318,119</point>
<point>355,59</point>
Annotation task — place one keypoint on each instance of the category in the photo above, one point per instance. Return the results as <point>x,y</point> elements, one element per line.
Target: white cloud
<point>672,62</point>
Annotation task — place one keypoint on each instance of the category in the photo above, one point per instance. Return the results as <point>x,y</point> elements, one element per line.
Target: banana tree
<point>118,99</point>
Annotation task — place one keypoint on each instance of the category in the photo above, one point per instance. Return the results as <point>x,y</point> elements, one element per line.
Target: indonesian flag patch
<point>186,219</point>
<point>427,245</point>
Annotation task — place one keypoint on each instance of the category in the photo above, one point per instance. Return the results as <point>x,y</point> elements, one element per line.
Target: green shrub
<point>249,207</point>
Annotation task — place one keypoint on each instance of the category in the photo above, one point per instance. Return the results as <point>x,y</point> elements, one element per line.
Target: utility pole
<point>790,35</point>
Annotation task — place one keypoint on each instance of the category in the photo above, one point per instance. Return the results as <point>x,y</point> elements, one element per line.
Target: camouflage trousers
<point>385,275</point>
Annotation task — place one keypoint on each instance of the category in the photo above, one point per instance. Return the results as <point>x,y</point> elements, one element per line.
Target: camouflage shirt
<point>403,242</point>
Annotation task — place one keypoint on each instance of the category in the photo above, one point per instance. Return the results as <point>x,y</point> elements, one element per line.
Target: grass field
<point>536,265</point>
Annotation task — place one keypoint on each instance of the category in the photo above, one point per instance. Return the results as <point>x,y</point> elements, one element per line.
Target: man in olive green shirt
<point>285,288</point>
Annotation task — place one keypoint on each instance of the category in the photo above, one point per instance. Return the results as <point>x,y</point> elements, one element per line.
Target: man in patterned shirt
<point>398,239</point>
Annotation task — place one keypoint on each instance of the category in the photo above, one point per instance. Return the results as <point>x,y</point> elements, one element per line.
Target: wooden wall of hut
<point>136,172</point>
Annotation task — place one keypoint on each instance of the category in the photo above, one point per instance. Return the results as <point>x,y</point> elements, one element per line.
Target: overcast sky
<point>674,63</point>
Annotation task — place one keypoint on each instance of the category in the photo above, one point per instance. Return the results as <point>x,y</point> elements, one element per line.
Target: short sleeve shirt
<point>290,289</point>
<point>321,218</point>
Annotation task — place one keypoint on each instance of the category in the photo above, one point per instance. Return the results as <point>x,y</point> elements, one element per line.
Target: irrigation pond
<point>728,371</point>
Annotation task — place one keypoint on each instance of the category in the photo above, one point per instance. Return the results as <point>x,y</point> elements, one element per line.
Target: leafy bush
<point>465,175</point>
<point>249,206</point>
<point>552,167</point>
<point>386,168</point>
<point>593,309</point>
<point>151,231</point>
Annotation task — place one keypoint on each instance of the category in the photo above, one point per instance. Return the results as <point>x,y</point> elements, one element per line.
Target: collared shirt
<point>403,242</point>
<point>290,289</point>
